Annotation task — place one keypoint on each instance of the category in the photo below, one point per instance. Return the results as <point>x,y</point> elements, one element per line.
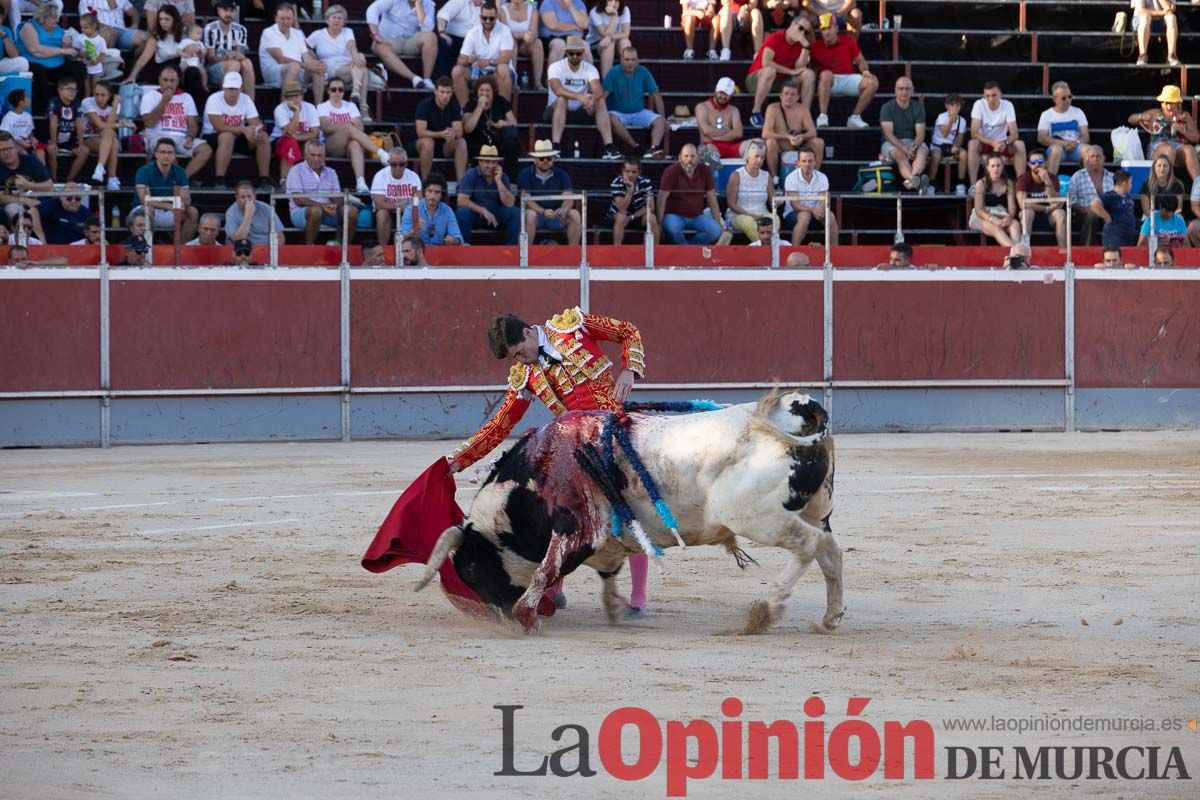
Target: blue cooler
<point>14,80</point>
<point>1140,170</point>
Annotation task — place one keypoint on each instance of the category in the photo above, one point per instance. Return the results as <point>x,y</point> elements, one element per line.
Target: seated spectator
<point>296,122</point>
<point>231,124</point>
<point>844,72</point>
<point>284,55</point>
<point>1120,226</point>
<point>544,177</point>
<point>576,97</point>
<point>805,187</point>
<point>902,122</point>
<point>226,49</point>
<point>995,208</point>
<point>1194,225</point>
<point>18,256</point>
<point>454,21</point>
<point>19,122</point>
<point>1168,227</point>
<point>91,232</point>
<point>488,49</point>
<point>434,222</point>
<point>137,254</point>
<point>158,184</point>
<point>1161,181</point>
<point>10,58</point>
<point>251,219</point>
<point>342,124</point>
<point>486,199</point>
<point>64,217</point>
<point>243,253</point>
<point>208,231</point>
<point>489,119</point>
<point>440,129</point>
<point>334,46</point>
<point>118,23</point>
<point>994,130</point>
<point>849,16</point>
<point>100,127</point>
<point>630,206</point>
<point>687,201</point>
<point>1145,13</point>
<point>40,42</point>
<point>560,20</point>
<point>404,29</point>
<point>168,113</point>
<point>750,192</point>
<point>66,129</point>
<point>789,126</point>
<point>1061,129</point>
<point>393,186</point>
<point>1086,187</point>
<point>372,254</point>
<point>20,173</point>
<point>412,252</point>
<point>741,15</point>
<point>163,47</point>
<point>521,18</point>
<point>186,9</point>
<point>309,211</point>
<point>899,257</point>
<point>1172,130</point>
<point>948,132</point>
<point>764,232</point>
<point>720,125</point>
<point>608,32</point>
<point>626,87</point>
<point>135,224</point>
<point>23,232</point>
<point>695,14</point>
<point>783,56</point>
<point>1034,190</point>
<point>1164,257</point>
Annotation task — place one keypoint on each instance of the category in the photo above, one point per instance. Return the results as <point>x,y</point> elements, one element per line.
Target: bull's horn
<point>450,539</point>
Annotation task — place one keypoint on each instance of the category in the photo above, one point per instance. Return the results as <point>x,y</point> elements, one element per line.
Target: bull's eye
<point>468,572</point>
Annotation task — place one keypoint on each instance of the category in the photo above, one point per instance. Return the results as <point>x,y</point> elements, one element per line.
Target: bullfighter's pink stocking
<point>639,565</point>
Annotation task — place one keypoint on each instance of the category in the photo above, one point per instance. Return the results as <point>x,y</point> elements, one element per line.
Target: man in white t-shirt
<point>168,113</point>
<point>118,23</point>
<point>394,185</point>
<point>284,55</point>
<point>1062,128</point>
<point>231,123</point>
<point>487,50</point>
<point>994,130</point>
<point>577,97</point>
<point>808,183</point>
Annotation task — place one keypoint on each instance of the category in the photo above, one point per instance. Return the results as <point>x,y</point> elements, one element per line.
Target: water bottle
<point>577,148</point>
<point>116,217</point>
<point>667,21</point>
<point>524,81</point>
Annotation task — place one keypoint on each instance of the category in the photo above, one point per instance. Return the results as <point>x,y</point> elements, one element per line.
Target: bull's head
<point>479,563</point>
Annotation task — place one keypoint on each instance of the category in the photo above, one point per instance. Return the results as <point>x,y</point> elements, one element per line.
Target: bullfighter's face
<point>525,351</point>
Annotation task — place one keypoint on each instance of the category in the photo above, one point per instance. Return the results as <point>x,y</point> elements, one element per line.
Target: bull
<point>763,471</point>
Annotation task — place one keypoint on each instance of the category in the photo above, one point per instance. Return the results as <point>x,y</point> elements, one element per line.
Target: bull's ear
<point>451,538</point>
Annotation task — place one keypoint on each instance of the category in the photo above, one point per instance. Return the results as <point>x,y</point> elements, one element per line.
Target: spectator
<point>225,48</point>
<point>454,21</point>
<point>559,21</point>
<point>342,124</point>
<point>1145,12</point>
<point>836,56</point>
<point>310,212</point>
<point>521,19</point>
<point>750,192</point>
<point>994,130</point>
<point>608,32</point>
<point>1168,227</point>
<point>784,55</point>
<point>902,121</point>
<point>485,198</point>
<point>40,42</point>
<point>487,50</point>
<point>335,47</point>
<point>1086,187</point>
<point>118,23</point>
<point>995,209</point>
<point>395,185</point>
<point>764,232</point>
<point>699,14</point>
<point>1018,256</point>
<point>805,188</point>
<point>1110,258</point>
<point>1171,130</point>
<point>135,224</point>
<point>23,231</point>
<point>720,124</point>
<point>489,119</point>
<point>1194,225</point>
<point>848,15</point>
<point>404,29</point>
<point>283,54</point>
<point>626,88</point>
<point>93,51</point>
<point>576,97</point>
<point>1120,226</point>
<point>168,113</point>
<point>91,232</point>
<point>435,223</point>
<point>243,253</point>
<point>544,177</point>
<point>1034,191</point>
<point>208,231</point>
<point>20,173</point>
<point>18,256</point>
<point>250,218</point>
<point>11,59</point>
<point>372,254</point>
<point>630,206</point>
<point>439,118</point>
<point>687,200</point>
<point>1164,257</point>
<point>231,124</point>
<point>100,128</point>
<point>1161,181</point>
<point>19,122</point>
<point>1061,129</point>
<point>186,9</point>
<point>296,122</point>
<point>137,254</point>
<point>789,126</point>
<point>66,129</point>
<point>158,184</point>
<point>899,257</point>
<point>948,132</point>
<point>412,251</point>
<point>64,217</point>
<point>164,48</point>
<point>742,15</point>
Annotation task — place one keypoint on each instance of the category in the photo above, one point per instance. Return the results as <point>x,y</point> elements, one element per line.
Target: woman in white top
<point>163,47</point>
<point>521,17</point>
<point>609,31</point>
<point>749,193</point>
<point>335,46</point>
<point>342,124</point>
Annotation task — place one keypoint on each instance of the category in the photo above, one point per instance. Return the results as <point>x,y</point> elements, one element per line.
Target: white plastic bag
<point>1126,145</point>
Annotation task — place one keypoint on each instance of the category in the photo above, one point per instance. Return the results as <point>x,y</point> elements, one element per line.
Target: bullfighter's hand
<point>624,385</point>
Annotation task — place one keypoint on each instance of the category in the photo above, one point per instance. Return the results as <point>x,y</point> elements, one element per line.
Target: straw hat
<point>575,43</point>
<point>543,148</point>
<point>1170,94</point>
<point>488,153</point>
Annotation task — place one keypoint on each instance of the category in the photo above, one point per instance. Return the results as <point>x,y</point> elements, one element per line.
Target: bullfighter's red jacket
<point>582,381</point>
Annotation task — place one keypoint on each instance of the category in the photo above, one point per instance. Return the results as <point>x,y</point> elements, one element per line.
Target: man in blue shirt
<point>544,177</point>
<point>559,19</point>
<point>1120,229</point>
<point>625,88</point>
<point>435,222</point>
<point>65,217</point>
<point>485,198</point>
<point>161,179</point>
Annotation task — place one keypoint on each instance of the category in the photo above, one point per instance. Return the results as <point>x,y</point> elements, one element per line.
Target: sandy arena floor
<point>193,622</point>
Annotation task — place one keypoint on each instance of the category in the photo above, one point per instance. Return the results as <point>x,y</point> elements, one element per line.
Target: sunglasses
<point>337,89</point>
<point>1066,97</point>
<point>394,164</point>
<point>486,19</point>
<point>1036,162</point>
<point>543,158</point>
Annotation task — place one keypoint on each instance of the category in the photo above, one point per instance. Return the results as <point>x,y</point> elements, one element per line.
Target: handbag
<point>875,178</point>
<point>1126,144</point>
<point>288,149</point>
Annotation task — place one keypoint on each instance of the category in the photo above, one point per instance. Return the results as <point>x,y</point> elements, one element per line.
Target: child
<point>92,47</point>
<point>19,122</point>
<point>192,50</point>
<point>100,133</point>
<point>66,129</point>
<point>948,134</point>
<point>1120,229</point>
<point>1169,227</point>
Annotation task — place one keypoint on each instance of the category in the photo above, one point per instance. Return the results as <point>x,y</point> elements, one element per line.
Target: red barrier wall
<point>49,335</point>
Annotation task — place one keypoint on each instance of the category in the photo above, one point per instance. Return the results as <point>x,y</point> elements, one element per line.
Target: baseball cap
<point>826,21</point>
<point>232,81</point>
<point>242,247</point>
<point>138,246</point>
<point>727,86</point>
<point>226,4</point>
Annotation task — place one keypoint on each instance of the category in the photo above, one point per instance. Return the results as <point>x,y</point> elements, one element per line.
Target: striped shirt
<point>302,180</point>
<point>222,42</point>
<point>640,193</point>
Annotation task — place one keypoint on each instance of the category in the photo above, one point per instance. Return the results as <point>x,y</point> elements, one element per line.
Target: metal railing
<point>778,199</point>
<point>584,269</point>
<point>341,194</point>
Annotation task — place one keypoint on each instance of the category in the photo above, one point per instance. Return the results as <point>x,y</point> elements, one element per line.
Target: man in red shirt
<point>686,191</point>
<point>783,56</point>
<point>844,72</point>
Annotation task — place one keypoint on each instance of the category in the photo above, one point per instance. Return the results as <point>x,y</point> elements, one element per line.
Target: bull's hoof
<point>527,617</point>
<point>831,623</point>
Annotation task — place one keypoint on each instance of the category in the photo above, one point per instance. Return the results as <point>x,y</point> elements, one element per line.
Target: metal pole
<point>774,236</point>
<point>103,235</point>
<point>105,346</point>
<point>899,218</point>
<point>648,238</point>
<point>1152,241</point>
<point>1069,335</point>
<point>176,204</point>
<point>828,232</point>
<point>396,236</point>
<point>827,316</point>
<point>585,272</point>
<point>1070,215</point>
<point>272,198</point>
<point>524,256</point>
<point>345,318</point>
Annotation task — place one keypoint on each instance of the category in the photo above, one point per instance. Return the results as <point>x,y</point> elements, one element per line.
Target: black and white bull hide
<point>760,470</point>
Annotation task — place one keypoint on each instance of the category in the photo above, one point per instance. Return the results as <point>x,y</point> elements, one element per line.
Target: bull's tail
<point>451,538</point>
